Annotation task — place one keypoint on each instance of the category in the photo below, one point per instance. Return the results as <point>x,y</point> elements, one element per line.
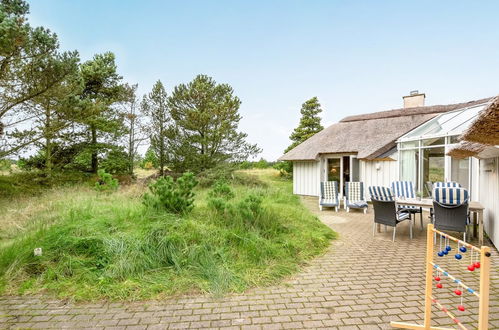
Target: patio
<point>360,283</point>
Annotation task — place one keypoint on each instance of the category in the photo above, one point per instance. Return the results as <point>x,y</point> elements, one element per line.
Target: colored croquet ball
<point>448,248</point>
<point>461,308</point>
<point>462,249</point>
<point>458,256</point>
<point>437,278</point>
<point>458,292</point>
<point>440,254</point>
<point>476,264</point>
<point>439,285</point>
<point>445,252</point>
<point>471,268</point>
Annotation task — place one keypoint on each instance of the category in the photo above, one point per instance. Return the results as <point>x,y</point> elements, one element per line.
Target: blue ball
<point>445,252</point>
<point>462,249</point>
<point>458,256</point>
<point>440,254</point>
<point>448,248</point>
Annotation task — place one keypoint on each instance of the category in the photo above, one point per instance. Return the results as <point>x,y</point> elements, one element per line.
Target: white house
<point>412,143</point>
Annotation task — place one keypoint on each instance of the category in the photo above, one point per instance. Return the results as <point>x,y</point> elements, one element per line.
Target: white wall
<point>306,178</point>
<point>378,173</point>
<point>489,196</point>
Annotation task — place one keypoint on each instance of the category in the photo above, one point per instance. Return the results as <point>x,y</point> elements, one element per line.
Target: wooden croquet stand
<point>483,306</point>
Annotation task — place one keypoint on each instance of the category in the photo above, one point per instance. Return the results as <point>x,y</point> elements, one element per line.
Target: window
<point>433,164</point>
<point>333,169</point>
<point>409,166</point>
<point>434,142</point>
<point>460,171</point>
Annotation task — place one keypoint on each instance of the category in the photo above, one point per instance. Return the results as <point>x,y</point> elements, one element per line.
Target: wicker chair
<point>450,206</point>
<point>406,189</point>
<point>329,195</point>
<point>385,210</point>
<point>354,196</point>
<point>442,184</point>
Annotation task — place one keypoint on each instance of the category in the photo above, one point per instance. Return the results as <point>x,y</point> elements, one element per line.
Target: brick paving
<point>361,282</point>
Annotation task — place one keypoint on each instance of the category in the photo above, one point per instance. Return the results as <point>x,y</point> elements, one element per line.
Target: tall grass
<point>110,246</point>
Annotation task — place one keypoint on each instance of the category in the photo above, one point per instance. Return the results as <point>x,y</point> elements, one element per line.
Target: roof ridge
<point>402,112</point>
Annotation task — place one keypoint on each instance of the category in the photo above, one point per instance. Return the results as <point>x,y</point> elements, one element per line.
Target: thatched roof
<point>466,149</point>
<point>485,129</point>
<point>369,135</point>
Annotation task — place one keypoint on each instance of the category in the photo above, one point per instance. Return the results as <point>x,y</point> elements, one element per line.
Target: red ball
<point>439,285</point>
<point>471,268</point>
<point>461,308</point>
<point>477,264</point>
<point>458,292</point>
<point>437,278</point>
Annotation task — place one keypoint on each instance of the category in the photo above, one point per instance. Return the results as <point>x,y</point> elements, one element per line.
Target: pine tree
<point>155,106</point>
<point>103,88</point>
<point>205,131</point>
<point>310,122</point>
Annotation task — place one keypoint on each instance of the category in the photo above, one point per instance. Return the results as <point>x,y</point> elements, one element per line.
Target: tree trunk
<point>131,146</point>
<point>48,140</point>
<point>161,152</point>
<point>95,161</point>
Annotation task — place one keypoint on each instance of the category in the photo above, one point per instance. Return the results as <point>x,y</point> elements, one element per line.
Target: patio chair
<point>406,189</point>
<point>329,195</point>
<point>354,196</point>
<point>441,184</point>
<point>450,206</point>
<point>385,210</point>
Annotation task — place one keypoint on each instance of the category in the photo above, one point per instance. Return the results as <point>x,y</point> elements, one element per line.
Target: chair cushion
<point>403,216</point>
<point>410,208</point>
<point>380,193</point>
<point>450,195</point>
<point>354,192</point>
<point>403,189</point>
<point>330,190</point>
<point>330,202</point>
<point>357,204</point>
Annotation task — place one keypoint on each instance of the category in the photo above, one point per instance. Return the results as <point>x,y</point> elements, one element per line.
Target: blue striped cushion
<point>380,193</point>
<point>403,189</point>
<point>329,192</point>
<point>450,195</point>
<point>441,184</point>
<point>355,191</point>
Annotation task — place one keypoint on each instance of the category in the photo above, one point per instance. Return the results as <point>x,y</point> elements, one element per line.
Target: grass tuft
<point>111,246</point>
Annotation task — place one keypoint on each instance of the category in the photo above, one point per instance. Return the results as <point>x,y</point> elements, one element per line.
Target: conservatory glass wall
<point>422,151</point>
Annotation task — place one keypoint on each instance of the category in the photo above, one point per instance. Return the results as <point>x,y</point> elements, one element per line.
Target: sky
<point>355,56</point>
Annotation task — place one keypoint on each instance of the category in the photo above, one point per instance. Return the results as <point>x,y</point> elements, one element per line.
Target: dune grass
<point>109,246</point>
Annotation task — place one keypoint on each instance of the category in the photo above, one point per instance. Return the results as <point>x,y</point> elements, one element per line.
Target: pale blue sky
<point>355,56</point>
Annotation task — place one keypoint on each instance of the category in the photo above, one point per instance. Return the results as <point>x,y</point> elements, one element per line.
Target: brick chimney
<point>414,99</point>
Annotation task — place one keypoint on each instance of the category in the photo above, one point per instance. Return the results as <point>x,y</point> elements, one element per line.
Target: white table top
<point>428,202</point>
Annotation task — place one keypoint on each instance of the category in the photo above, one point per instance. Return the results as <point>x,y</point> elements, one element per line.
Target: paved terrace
<point>361,282</point>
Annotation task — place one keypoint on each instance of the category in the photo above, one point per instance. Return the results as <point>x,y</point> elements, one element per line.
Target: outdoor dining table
<point>474,207</point>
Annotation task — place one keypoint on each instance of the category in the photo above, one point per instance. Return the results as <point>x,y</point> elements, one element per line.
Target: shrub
<point>262,163</point>
<point>106,181</point>
<point>116,161</point>
<point>172,196</point>
<point>220,172</point>
<point>285,169</point>
<point>249,180</point>
<point>221,190</point>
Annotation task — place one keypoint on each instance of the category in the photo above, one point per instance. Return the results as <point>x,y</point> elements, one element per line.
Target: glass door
<point>333,170</point>
<point>433,165</point>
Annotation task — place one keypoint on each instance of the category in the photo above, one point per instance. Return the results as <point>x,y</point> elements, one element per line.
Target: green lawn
<point>98,245</point>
